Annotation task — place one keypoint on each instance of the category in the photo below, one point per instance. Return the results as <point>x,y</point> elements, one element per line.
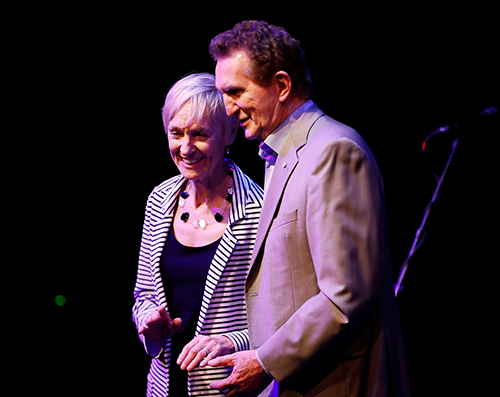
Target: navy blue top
<point>184,272</point>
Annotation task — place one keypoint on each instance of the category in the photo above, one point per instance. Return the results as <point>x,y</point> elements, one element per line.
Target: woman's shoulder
<point>167,187</point>
<point>246,183</point>
<point>169,183</point>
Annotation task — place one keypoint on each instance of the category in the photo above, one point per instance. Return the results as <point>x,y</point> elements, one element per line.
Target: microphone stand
<point>416,242</point>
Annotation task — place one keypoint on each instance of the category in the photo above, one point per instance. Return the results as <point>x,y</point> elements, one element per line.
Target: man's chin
<point>251,134</point>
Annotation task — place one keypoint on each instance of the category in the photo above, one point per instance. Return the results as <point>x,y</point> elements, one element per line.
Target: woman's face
<point>197,150</point>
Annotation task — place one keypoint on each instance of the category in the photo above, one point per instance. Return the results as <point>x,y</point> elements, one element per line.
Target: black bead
<point>185,216</point>
<point>218,217</point>
<point>184,195</point>
<point>229,198</point>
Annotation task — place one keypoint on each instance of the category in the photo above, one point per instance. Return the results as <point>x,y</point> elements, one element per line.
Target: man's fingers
<point>222,361</point>
<point>247,376</point>
<point>221,385</point>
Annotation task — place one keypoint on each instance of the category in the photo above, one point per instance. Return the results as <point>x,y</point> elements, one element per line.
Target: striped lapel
<point>227,244</point>
<point>160,229</point>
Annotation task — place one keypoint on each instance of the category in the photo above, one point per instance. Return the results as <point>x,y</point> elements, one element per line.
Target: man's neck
<point>294,104</point>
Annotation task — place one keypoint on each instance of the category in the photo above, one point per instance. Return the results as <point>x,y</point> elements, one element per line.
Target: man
<point>322,314</point>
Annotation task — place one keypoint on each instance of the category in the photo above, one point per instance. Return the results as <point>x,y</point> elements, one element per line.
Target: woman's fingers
<point>211,354</point>
<point>159,325</point>
<point>174,325</point>
<point>197,351</point>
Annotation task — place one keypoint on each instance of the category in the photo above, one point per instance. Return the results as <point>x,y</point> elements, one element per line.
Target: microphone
<point>453,127</point>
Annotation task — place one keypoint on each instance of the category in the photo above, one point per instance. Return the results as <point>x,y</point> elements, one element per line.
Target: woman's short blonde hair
<point>207,104</point>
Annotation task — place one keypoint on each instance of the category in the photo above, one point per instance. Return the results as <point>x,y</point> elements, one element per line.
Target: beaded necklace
<point>202,223</point>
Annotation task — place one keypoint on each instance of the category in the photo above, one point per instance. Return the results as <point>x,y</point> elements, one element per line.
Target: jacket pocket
<point>284,218</point>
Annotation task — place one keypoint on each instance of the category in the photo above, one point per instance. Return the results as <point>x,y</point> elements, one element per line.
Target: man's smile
<point>244,120</point>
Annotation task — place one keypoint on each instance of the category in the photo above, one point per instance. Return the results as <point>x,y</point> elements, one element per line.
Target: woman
<point>198,235</point>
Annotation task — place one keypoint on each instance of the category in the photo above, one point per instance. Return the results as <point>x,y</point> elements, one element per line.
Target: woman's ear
<point>231,135</point>
<point>284,84</point>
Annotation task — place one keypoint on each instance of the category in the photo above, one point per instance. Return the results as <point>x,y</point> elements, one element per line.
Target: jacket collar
<point>287,161</point>
<point>300,132</point>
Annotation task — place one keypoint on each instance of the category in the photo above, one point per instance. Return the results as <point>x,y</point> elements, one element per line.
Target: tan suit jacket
<point>320,298</point>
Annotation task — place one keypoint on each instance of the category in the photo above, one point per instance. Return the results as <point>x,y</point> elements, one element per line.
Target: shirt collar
<point>267,153</point>
<point>277,138</point>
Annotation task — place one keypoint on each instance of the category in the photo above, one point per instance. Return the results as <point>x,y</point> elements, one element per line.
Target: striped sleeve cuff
<point>240,340</point>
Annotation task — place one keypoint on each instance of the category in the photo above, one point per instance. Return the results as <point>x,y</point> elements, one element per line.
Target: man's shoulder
<point>326,131</point>
<point>315,120</point>
<point>332,127</point>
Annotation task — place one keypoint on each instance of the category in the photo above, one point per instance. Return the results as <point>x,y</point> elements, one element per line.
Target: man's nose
<point>231,106</point>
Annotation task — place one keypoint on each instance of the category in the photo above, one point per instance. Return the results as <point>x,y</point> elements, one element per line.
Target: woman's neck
<point>210,189</point>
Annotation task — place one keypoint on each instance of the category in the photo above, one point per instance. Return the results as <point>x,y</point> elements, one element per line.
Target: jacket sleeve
<point>144,292</point>
<point>343,227</point>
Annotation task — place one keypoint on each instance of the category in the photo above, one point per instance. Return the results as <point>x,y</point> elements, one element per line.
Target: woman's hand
<point>202,349</point>
<point>159,327</point>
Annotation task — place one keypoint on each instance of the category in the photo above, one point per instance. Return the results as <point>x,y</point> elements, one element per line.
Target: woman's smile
<point>189,161</point>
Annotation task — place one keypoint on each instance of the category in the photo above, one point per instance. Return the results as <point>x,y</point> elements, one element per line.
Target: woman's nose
<point>187,145</point>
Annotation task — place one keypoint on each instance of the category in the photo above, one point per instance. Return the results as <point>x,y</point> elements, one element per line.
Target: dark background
<point>92,81</point>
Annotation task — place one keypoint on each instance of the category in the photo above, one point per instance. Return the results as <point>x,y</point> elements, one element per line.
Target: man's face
<point>257,107</point>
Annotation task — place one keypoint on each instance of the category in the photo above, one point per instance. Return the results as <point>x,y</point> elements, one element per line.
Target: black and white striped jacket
<point>223,307</point>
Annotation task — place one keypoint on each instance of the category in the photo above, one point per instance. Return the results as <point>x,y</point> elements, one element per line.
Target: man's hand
<point>248,379</point>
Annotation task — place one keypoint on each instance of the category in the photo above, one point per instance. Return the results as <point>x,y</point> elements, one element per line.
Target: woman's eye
<point>201,135</point>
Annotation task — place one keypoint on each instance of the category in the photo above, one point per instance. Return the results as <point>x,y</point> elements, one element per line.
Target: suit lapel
<point>285,164</point>
<point>282,171</point>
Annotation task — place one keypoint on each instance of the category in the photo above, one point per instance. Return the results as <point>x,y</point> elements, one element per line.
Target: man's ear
<point>284,85</point>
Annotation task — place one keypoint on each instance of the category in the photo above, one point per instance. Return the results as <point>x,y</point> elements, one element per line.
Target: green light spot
<point>60,300</point>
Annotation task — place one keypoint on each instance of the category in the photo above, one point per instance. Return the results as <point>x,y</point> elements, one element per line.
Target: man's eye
<point>235,92</point>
